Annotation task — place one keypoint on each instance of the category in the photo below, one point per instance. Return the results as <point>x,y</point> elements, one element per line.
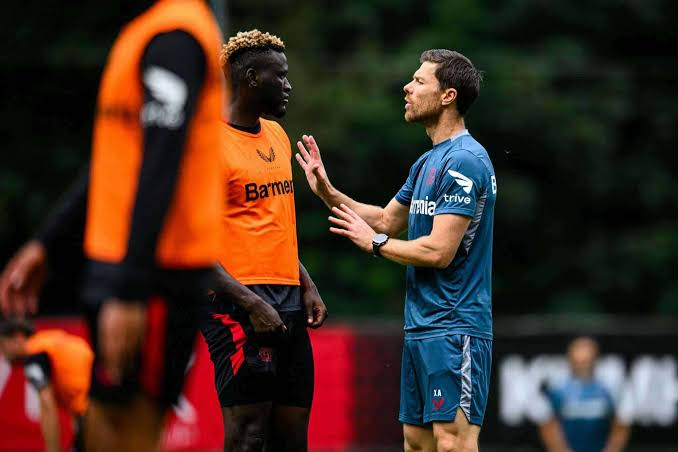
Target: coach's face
<point>423,95</point>
<point>274,90</point>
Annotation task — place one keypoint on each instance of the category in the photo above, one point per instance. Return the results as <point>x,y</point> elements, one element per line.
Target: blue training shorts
<point>441,374</point>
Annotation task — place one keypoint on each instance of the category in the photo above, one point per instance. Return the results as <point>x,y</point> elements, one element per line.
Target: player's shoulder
<point>273,127</point>
<point>468,153</point>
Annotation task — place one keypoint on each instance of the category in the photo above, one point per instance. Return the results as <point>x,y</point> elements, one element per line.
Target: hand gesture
<point>310,161</point>
<point>22,280</point>
<point>349,224</point>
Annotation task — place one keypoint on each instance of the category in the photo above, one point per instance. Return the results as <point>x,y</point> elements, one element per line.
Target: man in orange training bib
<point>255,325</point>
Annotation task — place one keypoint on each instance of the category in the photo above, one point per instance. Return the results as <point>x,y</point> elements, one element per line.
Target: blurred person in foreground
<point>148,214</point>
<point>447,205</point>
<point>255,325</point>
<point>58,365</point>
<point>580,415</point>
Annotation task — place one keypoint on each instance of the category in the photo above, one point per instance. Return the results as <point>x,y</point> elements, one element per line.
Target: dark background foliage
<point>578,111</point>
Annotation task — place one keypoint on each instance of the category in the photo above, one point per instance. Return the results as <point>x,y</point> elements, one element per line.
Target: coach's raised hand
<point>311,162</point>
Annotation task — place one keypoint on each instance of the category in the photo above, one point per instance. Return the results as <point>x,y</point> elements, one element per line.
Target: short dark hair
<point>9,327</point>
<point>455,71</point>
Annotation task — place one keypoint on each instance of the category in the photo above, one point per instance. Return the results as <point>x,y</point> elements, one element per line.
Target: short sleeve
<point>461,184</point>
<point>37,370</point>
<point>404,195</point>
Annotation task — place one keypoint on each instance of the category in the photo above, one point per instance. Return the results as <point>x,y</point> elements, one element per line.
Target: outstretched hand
<point>350,225</point>
<point>22,280</point>
<point>311,162</point>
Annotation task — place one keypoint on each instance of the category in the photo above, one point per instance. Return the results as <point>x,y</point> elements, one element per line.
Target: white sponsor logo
<point>422,207</point>
<point>465,182</point>
<point>494,185</point>
<point>585,409</point>
<point>34,373</point>
<point>169,93</point>
<point>646,393</point>
<point>457,198</point>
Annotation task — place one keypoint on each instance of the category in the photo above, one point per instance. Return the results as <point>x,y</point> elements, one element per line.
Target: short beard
<point>426,118</point>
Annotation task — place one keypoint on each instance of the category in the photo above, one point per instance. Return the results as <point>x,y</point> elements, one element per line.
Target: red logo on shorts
<point>266,354</point>
<point>438,403</point>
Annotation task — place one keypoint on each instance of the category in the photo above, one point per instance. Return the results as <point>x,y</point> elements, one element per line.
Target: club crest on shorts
<point>266,354</point>
<point>438,400</point>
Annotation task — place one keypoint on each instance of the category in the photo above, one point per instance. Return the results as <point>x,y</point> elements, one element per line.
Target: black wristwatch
<point>378,241</point>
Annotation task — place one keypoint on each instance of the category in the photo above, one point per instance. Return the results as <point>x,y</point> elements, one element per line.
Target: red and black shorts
<point>252,369</point>
<point>160,367</point>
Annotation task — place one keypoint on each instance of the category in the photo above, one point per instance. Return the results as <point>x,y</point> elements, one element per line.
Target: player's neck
<point>243,115</point>
<point>445,127</point>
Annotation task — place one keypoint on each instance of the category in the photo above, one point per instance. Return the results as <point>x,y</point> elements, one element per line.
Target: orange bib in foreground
<point>190,235</point>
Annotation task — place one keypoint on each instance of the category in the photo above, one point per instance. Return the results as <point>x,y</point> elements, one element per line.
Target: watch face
<point>380,239</point>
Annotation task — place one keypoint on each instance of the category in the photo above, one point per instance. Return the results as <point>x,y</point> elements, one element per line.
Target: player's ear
<point>449,95</point>
<point>251,77</point>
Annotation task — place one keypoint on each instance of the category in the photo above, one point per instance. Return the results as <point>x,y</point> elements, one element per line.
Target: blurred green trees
<point>578,111</point>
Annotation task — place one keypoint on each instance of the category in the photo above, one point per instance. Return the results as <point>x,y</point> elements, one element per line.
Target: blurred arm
<point>619,437</point>
<point>49,419</point>
<point>57,244</point>
<point>65,226</point>
<point>552,436</point>
<point>38,369</point>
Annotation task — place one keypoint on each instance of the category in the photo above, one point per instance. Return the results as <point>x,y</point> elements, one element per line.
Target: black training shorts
<point>251,369</point>
<point>159,369</point>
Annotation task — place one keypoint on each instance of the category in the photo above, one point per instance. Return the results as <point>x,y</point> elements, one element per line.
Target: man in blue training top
<point>581,415</point>
<point>447,205</point>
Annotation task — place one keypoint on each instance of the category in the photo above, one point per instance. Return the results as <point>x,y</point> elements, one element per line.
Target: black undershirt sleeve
<point>172,71</point>
<point>38,370</point>
<point>62,234</point>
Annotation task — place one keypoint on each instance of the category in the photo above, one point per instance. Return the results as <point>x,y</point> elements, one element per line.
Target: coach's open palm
<point>310,161</point>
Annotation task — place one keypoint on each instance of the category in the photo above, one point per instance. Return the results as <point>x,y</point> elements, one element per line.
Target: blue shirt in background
<point>584,409</point>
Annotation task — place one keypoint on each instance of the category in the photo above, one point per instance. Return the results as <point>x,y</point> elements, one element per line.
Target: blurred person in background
<point>447,206</point>
<point>256,320</point>
<point>148,219</point>
<point>580,414</point>
<point>58,365</point>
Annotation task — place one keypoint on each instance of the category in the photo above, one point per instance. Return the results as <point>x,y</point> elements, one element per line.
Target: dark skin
<point>264,91</point>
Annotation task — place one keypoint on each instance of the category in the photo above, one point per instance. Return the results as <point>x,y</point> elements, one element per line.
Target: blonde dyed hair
<point>249,40</point>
